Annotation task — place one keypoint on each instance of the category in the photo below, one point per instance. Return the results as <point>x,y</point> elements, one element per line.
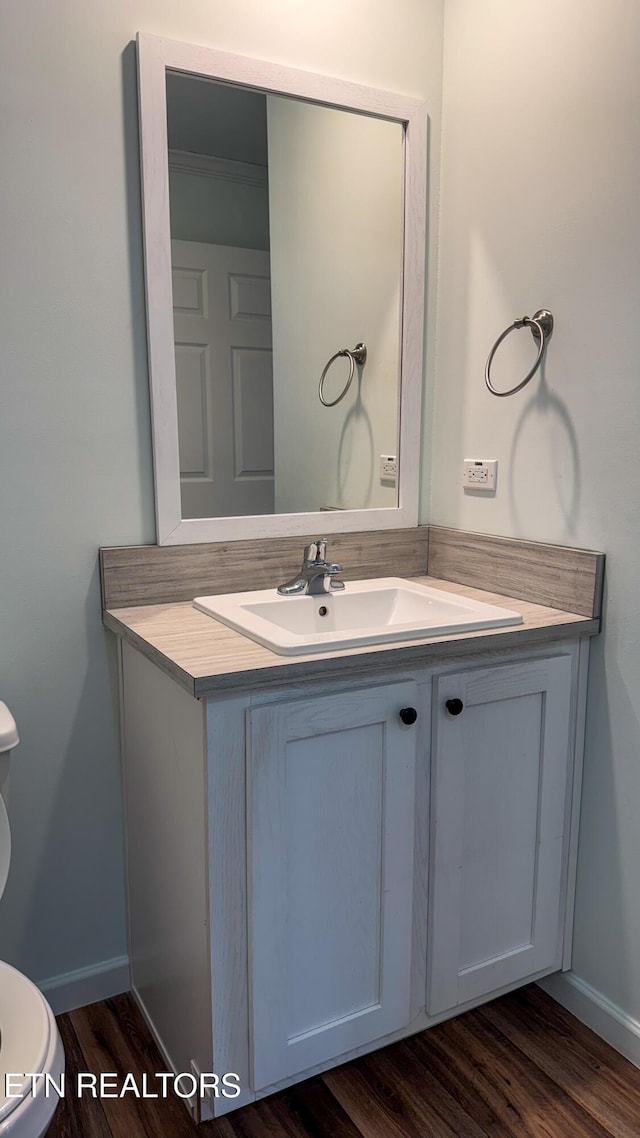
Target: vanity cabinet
<point>330,835</point>
<point>313,874</point>
<point>499,768</point>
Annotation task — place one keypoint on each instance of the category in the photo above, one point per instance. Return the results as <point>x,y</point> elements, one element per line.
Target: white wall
<point>540,206</point>
<point>336,217</point>
<point>223,122</point>
<point>75,454</point>
<point>218,212</point>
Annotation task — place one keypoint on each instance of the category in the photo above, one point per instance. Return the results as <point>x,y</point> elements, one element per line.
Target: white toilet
<point>29,1038</point>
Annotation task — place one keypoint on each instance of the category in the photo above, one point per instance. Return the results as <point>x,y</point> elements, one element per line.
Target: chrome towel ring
<point>357,355</point>
<point>541,325</point>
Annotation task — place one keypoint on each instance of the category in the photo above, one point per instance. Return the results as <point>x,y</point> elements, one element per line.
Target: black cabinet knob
<point>408,715</point>
<point>454,706</point>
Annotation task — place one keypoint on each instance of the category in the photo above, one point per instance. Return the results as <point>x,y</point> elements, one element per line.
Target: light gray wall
<point>205,117</point>
<point>218,212</point>
<point>75,454</point>
<point>540,206</point>
<point>336,217</point>
<point>223,122</point>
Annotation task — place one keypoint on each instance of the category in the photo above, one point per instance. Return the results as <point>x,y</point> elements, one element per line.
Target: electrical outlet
<point>388,468</point>
<point>480,474</point>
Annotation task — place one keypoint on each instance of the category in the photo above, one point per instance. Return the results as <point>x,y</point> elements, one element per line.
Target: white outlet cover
<point>480,474</point>
<point>388,467</point>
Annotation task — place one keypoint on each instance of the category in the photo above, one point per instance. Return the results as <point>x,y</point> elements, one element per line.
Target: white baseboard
<point>609,1021</point>
<point>111,977</point>
<point>87,985</point>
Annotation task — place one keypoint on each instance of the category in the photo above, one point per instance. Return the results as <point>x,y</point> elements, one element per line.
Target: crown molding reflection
<point>226,169</point>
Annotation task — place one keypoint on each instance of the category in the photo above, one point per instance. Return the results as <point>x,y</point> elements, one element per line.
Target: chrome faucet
<point>317,575</point>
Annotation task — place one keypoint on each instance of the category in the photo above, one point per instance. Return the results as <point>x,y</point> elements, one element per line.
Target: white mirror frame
<point>155,55</point>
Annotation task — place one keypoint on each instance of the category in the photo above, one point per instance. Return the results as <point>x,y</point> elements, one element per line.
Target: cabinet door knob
<point>408,715</point>
<point>454,706</point>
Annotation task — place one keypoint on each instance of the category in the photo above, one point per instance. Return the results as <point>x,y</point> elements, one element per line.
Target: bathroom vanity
<point>328,853</point>
<point>325,851</point>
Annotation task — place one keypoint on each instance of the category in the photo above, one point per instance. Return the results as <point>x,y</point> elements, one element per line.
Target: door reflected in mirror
<point>286,246</point>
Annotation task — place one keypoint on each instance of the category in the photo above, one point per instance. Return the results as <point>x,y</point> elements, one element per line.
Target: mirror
<point>284,223</point>
<point>277,262</point>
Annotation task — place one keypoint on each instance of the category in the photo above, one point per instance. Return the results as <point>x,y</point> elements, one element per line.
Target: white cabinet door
<point>499,790</point>
<point>331,805</point>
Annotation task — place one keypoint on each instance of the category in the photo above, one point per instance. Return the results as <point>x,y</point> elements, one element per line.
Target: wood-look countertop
<point>206,657</point>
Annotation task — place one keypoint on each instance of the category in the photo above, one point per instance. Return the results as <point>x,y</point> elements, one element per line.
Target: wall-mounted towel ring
<point>357,355</point>
<point>541,325</point>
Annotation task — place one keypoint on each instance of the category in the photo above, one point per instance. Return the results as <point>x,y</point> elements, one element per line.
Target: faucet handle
<point>334,580</point>
<point>316,551</point>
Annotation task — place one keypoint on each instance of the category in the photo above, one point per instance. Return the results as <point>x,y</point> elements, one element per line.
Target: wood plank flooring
<point>520,1067</point>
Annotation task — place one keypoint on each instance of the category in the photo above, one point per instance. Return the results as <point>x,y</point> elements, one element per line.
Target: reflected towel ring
<point>357,355</point>
<point>541,325</point>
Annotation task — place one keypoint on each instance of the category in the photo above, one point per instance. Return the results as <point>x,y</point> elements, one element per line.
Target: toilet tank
<point>9,739</point>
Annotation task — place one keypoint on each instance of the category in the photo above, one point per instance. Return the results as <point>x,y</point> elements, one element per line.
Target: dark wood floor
<point>520,1067</point>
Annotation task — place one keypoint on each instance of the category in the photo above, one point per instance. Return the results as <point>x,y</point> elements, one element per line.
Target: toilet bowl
<point>30,1043</point>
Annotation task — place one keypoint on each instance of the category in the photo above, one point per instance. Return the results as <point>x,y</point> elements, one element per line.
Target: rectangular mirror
<point>284,223</point>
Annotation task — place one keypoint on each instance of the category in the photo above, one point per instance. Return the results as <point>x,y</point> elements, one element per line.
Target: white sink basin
<point>366,612</point>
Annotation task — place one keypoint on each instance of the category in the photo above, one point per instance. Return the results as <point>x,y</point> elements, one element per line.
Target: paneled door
<point>331,792</point>
<point>500,763</point>
<point>222,332</point>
